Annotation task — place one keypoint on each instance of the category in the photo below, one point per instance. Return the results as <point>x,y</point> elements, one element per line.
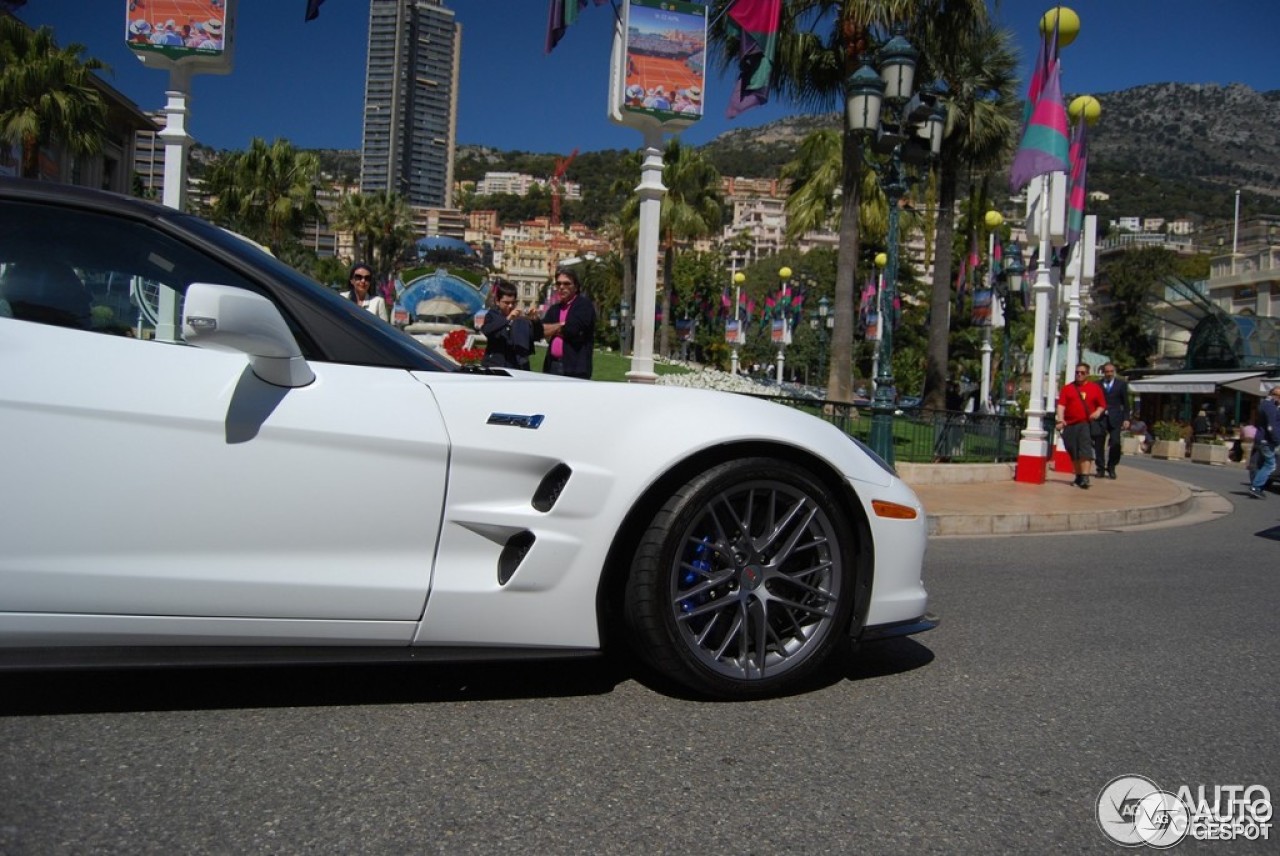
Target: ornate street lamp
<point>913,133</point>
<point>1008,288</point>
<point>624,311</point>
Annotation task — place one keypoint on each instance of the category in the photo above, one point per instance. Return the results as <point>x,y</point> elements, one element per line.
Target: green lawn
<point>609,366</point>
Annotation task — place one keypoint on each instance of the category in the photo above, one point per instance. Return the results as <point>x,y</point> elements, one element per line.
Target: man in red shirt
<point>1080,405</point>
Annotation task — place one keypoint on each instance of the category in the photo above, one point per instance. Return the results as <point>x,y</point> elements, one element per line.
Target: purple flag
<point>560,15</point>
<point>1045,146</point>
<point>756,24</point>
<point>1076,188</point>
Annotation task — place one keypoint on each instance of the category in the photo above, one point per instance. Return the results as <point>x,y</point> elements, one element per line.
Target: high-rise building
<point>411,100</point>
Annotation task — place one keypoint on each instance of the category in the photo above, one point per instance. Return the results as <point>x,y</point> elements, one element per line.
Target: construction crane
<point>557,179</point>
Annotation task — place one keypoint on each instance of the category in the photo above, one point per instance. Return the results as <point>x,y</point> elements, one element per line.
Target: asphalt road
<point>1062,662</point>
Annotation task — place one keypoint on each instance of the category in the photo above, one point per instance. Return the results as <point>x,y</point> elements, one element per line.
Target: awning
<point>1196,382</point>
<point>1258,386</point>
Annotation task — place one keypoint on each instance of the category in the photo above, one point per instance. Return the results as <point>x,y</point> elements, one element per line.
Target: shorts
<point>1078,441</point>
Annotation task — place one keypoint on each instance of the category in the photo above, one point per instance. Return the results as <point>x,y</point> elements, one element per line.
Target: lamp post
<point>913,133</point>
<point>1008,288</point>
<point>624,311</point>
<point>826,323</point>
<point>993,220</point>
<point>784,274</point>
<point>738,279</point>
<point>1046,212</point>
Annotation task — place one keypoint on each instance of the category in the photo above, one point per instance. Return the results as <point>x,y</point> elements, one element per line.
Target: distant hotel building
<point>411,100</point>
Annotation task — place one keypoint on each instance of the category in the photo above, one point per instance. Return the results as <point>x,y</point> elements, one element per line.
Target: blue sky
<point>305,81</point>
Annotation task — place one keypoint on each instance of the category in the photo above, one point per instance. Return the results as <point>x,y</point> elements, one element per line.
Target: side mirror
<point>223,318</point>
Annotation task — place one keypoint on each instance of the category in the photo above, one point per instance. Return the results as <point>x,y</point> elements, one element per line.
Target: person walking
<point>569,326</point>
<point>1106,444</point>
<point>1080,406</point>
<point>1266,440</point>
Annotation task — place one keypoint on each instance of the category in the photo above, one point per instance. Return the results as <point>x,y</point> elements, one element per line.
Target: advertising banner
<point>982,307</point>
<point>734,333</point>
<point>188,32</point>
<point>659,76</point>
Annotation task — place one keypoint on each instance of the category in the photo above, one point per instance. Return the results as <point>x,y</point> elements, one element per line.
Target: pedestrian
<point>1080,406</point>
<point>508,334</point>
<point>1106,445</point>
<point>569,326</point>
<point>362,292</point>
<point>1266,440</point>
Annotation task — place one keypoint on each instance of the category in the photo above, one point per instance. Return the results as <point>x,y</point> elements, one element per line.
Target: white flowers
<point>718,380</point>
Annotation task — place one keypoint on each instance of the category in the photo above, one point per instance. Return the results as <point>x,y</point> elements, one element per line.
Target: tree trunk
<point>668,264</point>
<point>629,295</point>
<point>30,156</point>
<point>936,363</point>
<point>840,376</point>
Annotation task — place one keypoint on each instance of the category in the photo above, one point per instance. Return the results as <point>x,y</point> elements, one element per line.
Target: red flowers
<point>455,345</point>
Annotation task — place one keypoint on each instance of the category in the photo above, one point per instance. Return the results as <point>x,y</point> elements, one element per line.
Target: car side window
<point>98,273</point>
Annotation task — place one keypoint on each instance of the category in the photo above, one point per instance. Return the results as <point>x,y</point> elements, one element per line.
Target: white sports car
<point>211,459</point>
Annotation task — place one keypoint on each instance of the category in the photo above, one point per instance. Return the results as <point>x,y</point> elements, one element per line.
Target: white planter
<point>1168,449</point>
<point>1207,453</point>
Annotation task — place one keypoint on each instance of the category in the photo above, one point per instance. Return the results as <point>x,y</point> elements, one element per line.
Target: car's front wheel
<point>742,582</point>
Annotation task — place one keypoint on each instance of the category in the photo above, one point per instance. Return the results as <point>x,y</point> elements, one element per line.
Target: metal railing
<point>921,435</point>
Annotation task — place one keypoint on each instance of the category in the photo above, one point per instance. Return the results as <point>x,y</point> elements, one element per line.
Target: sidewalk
<point>983,499</point>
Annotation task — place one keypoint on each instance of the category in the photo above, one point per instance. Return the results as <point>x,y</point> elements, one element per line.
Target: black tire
<point>743,583</point>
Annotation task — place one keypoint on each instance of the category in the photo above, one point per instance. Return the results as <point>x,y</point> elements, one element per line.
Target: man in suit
<point>1106,446</point>
<point>569,326</point>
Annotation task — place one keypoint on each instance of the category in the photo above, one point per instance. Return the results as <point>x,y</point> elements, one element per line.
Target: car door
<point>158,490</point>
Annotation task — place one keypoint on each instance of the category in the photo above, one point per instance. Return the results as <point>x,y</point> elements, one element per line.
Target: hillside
<point>1163,150</point>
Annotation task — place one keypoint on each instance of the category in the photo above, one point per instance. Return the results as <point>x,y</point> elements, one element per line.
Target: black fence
<point>927,436</point>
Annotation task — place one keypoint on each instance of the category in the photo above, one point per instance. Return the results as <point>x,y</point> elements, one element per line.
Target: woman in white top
<point>362,292</point>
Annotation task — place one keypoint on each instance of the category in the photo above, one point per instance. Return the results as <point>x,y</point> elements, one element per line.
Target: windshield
<point>415,354</point>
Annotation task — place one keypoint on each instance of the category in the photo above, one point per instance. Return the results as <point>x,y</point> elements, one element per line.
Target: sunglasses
<point>363,276</point>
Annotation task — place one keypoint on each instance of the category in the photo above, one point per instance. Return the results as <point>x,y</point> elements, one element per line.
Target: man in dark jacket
<point>1266,440</point>
<point>1106,445</point>
<point>569,326</point>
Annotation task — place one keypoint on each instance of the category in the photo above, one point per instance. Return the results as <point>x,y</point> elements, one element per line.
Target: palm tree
<point>267,192</point>
<point>810,72</point>
<point>47,94</point>
<point>691,209</point>
<point>381,223</point>
<point>978,66</point>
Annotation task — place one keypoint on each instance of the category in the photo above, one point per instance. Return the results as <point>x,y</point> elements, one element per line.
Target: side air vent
<point>513,554</point>
<point>552,486</point>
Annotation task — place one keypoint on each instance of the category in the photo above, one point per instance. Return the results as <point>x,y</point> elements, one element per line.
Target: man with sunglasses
<point>1080,405</point>
<point>569,326</point>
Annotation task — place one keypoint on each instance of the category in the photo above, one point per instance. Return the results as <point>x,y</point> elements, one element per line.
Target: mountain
<point>1166,150</point>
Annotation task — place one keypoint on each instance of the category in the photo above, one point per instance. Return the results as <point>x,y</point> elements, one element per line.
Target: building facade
<point>411,101</point>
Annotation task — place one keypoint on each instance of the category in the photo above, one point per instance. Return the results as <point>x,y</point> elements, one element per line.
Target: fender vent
<point>551,487</point>
<point>513,554</point>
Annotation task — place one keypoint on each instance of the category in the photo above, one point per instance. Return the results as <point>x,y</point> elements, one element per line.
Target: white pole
<point>650,190</point>
<point>1235,234</point>
<point>176,142</point>
<point>1034,446</point>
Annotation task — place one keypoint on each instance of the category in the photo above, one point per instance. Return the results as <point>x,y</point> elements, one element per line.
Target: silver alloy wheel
<point>756,584</point>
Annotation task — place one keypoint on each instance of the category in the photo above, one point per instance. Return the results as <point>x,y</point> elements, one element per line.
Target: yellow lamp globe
<point>784,273</point>
<point>993,219</point>
<point>1068,24</point>
<point>1086,106</point>
<point>882,259</point>
<point>739,277</point>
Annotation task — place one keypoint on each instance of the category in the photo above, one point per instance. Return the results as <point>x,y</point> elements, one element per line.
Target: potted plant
<point>1169,443</point>
<point>1209,450</point>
